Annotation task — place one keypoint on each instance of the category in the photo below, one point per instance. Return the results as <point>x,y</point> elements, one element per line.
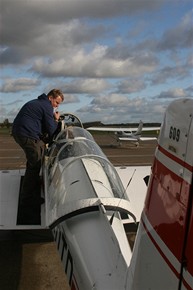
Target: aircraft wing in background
<point>128,134</point>
<point>132,130</point>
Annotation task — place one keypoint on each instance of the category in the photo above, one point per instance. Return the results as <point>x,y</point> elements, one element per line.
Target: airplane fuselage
<point>84,198</point>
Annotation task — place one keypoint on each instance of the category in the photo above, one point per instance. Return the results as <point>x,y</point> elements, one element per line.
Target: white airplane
<point>87,207</point>
<point>128,134</point>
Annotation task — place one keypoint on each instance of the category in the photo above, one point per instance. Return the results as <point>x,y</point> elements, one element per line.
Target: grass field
<point>5,131</point>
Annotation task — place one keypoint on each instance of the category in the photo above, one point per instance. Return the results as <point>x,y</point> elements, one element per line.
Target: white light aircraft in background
<point>87,205</point>
<point>131,134</point>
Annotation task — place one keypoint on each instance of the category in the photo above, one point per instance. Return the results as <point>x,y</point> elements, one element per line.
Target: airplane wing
<point>10,181</point>
<point>151,129</point>
<point>121,129</point>
<point>137,139</point>
<point>111,129</point>
<point>136,176</point>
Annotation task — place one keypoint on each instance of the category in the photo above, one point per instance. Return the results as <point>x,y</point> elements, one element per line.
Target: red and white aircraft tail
<point>163,252</point>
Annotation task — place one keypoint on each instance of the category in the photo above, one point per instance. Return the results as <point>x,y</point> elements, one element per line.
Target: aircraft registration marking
<point>174,133</point>
<point>65,255</point>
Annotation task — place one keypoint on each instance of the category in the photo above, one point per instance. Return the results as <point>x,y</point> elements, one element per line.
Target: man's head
<point>56,97</point>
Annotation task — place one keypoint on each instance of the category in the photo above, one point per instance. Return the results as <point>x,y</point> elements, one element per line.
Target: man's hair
<point>56,93</point>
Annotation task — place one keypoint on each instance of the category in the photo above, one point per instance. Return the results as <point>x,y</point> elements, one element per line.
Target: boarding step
<point>12,215</point>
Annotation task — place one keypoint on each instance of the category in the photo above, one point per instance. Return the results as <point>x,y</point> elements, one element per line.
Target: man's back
<point>34,118</point>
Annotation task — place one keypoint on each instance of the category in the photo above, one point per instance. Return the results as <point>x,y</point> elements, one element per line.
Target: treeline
<point>5,124</point>
<point>100,124</point>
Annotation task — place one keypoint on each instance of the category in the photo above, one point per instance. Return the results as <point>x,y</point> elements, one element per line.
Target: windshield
<point>79,147</point>
<point>73,142</point>
<point>72,133</point>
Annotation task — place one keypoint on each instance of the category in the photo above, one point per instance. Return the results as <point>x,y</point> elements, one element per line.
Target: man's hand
<point>56,116</point>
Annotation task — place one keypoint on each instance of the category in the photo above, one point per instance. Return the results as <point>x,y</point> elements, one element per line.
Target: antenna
<point>111,219</point>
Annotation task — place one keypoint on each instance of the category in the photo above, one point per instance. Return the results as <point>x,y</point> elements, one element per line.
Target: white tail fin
<point>139,129</point>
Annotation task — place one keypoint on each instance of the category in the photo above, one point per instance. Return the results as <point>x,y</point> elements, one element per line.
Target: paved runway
<point>29,259</point>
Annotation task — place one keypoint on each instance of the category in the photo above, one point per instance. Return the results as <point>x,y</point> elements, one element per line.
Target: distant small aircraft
<point>128,134</point>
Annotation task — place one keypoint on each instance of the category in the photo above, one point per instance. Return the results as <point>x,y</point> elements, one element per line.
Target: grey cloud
<point>20,84</point>
<point>69,98</point>
<point>49,40</point>
<point>131,85</point>
<point>58,10</point>
<point>173,94</point>
<point>109,100</point>
<point>132,110</point>
<point>180,36</point>
<point>87,86</point>
<point>167,73</point>
<point>37,28</point>
<point>61,40</point>
<point>119,51</point>
<point>16,102</point>
<point>189,91</point>
<point>11,55</point>
<point>95,65</point>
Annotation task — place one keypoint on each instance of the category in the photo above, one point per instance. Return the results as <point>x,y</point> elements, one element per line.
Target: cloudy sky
<point>115,60</point>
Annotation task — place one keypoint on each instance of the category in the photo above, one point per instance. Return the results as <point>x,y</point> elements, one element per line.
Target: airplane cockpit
<point>77,169</point>
<point>73,142</point>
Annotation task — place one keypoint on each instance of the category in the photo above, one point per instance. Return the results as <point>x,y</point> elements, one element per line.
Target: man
<point>35,119</point>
